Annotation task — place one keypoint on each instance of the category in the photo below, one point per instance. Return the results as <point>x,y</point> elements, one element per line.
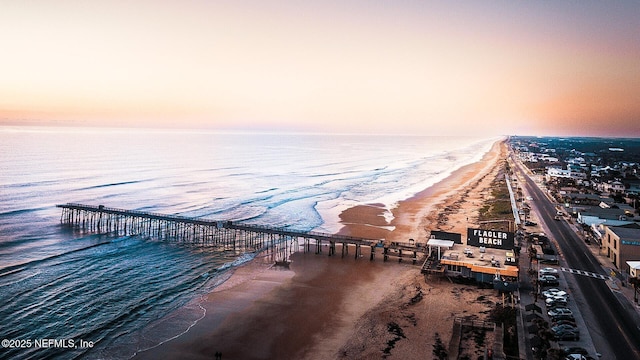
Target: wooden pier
<point>227,235</point>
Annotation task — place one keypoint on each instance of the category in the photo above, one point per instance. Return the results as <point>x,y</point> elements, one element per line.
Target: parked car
<point>554,292</point>
<point>548,280</point>
<point>563,317</point>
<point>530,223</point>
<point>575,357</point>
<point>548,271</point>
<point>549,259</point>
<point>564,322</point>
<point>575,350</point>
<point>555,306</point>
<point>559,312</point>
<point>555,302</point>
<point>566,335</point>
<point>557,296</point>
<point>565,327</point>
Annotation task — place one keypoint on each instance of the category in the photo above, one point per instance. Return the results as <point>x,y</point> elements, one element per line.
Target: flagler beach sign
<point>490,238</point>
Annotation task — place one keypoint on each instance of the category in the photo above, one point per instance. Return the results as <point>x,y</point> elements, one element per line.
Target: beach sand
<point>332,307</point>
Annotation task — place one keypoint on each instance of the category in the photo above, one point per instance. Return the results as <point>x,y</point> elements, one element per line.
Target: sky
<point>351,66</point>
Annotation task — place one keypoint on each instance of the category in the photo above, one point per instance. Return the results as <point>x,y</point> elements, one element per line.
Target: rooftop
<point>480,259</point>
<point>628,232</point>
<point>606,213</point>
<point>596,197</point>
<point>634,264</point>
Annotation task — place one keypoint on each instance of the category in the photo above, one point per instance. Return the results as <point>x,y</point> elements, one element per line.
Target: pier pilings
<point>227,235</point>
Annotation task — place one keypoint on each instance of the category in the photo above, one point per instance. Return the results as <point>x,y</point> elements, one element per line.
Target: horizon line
<point>79,125</point>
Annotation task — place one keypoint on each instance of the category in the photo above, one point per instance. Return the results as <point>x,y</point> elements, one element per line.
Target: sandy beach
<point>331,307</point>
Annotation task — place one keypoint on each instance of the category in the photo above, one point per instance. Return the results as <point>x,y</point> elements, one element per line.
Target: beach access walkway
<point>280,243</point>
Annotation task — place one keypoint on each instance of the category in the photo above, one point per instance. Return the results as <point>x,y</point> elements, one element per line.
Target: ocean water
<point>59,284</point>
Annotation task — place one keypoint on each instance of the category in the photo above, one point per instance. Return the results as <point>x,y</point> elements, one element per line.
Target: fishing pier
<point>280,243</point>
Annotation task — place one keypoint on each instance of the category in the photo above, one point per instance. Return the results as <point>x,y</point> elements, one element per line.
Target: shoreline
<point>324,307</point>
<point>415,209</point>
<point>333,219</point>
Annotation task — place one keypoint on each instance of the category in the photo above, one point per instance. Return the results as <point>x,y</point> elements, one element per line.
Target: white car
<point>548,280</point>
<point>556,301</point>
<point>575,357</point>
<point>548,271</point>
<point>559,312</point>
<point>554,293</point>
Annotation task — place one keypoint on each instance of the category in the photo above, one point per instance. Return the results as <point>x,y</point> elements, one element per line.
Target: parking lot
<point>551,318</point>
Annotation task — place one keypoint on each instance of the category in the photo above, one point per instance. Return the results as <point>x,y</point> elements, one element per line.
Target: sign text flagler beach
<point>490,238</point>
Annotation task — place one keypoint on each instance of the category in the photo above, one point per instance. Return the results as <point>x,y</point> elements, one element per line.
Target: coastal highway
<point>615,319</point>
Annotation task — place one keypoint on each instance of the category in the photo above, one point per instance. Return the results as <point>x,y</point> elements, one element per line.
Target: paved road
<point>614,320</point>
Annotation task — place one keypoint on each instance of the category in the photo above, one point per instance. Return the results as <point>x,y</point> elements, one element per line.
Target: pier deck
<point>227,234</point>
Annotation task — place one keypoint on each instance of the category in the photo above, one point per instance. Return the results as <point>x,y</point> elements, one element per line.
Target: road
<point>615,319</point>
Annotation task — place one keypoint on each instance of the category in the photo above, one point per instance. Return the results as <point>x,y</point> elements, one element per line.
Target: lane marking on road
<point>587,273</point>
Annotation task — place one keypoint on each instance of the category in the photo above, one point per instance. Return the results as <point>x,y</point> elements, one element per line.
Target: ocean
<point>59,287</point>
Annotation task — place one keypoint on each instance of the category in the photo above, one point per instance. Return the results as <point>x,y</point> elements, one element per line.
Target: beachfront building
<point>487,256</point>
<point>621,244</point>
<point>486,267</point>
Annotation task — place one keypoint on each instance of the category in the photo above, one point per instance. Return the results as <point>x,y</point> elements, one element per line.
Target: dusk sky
<point>402,67</point>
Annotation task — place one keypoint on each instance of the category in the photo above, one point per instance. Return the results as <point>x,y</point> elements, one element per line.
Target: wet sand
<point>331,307</point>
<point>270,312</point>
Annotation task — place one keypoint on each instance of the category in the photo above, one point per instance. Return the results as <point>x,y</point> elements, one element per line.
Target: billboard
<point>490,238</point>
<point>443,235</point>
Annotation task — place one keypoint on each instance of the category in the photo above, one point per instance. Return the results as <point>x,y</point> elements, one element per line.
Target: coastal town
<point>500,261</point>
<point>593,187</point>
<point>597,189</point>
<point>594,194</point>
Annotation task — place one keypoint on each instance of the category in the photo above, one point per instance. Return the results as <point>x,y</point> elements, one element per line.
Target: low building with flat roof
<point>485,265</point>
<point>486,256</point>
<point>596,215</point>
<point>586,199</point>
<point>622,244</point>
<point>634,268</point>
